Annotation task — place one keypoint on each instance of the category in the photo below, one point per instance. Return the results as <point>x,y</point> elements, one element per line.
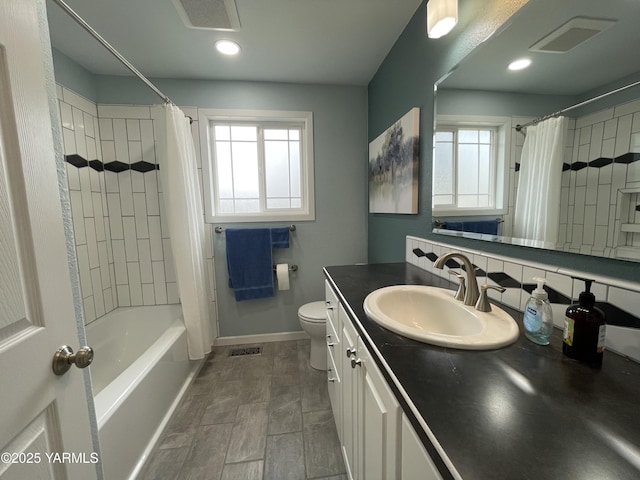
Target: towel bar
<point>292,268</point>
<point>292,228</point>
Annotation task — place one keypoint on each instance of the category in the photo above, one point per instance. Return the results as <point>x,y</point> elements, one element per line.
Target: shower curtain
<point>185,218</point>
<point>537,210</point>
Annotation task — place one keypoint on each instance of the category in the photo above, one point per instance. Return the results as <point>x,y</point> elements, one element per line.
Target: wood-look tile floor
<point>263,417</point>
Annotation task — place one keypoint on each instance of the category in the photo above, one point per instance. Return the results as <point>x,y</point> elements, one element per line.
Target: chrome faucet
<point>472,293</point>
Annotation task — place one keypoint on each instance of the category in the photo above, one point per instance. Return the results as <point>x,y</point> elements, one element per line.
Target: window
<point>469,171</point>
<point>259,166</point>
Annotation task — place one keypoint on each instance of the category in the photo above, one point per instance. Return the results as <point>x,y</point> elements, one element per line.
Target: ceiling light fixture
<point>519,64</point>
<point>227,47</point>
<point>442,16</point>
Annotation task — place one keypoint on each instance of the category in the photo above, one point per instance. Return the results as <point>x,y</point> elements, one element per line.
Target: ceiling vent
<point>576,31</point>
<point>209,14</point>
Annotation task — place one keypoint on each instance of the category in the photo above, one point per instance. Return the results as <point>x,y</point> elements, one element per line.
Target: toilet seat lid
<point>313,312</point>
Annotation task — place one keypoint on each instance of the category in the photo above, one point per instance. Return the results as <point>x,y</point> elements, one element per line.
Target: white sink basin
<point>432,315</point>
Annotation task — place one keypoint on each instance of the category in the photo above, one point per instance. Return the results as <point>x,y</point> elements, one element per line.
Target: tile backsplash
<point>619,299</point>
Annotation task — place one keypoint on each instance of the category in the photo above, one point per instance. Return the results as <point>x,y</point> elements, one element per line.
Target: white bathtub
<point>139,373</point>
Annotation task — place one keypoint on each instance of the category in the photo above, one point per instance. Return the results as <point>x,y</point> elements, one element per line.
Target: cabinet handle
<point>329,305</point>
<point>351,351</point>
<point>355,362</point>
<point>331,379</point>
<point>331,344</point>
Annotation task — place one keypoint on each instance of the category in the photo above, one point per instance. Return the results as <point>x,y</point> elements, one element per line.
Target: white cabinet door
<point>350,412</point>
<point>416,462</point>
<point>41,414</point>
<point>379,414</point>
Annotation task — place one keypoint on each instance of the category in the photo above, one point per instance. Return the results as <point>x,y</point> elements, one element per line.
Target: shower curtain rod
<point>69,11</point>
<point>577,105</point>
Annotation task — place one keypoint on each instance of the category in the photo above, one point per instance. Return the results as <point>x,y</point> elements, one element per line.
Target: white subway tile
<point>80,102</point>
<point>172,293</point>
<point>135,152</point>
<point>106,129</point>
<point>148,294</point>
<point>133,129</point>
<point>78,217</point>
<point>108,300</point>
<point>151,189</point>
<point>115,216</point>
<point>92,242</point>
<point>627,108</point>
<point>78,131</point>
<point>73,177</point>
<point>124,298</point>
<point>98,295</point>
<point>66,116</point>
<point>99,217</point>
<point>588,232</point>
<point>159,283</point>
<point>137,181</point>
<point>124,111</point>
<point>130,239</point>
<point>84,270</point>
<point>602,208</point>
<point>69,139</point>
<point>163,217</point>
<point>104,263</point>
<point>59,92</point>
<point>89,125</point>
<point>169,268</point>
<point>135,286</point>
<point>155,238</point>
<point>126,193</point>
<point>623,136</point>
<point>144,254</point>
<point>148,145</point>
<point>111,182</point>
<point>120,262</point>
<point>89,310</point>
<point>140,208</point>
<point>121,142</point>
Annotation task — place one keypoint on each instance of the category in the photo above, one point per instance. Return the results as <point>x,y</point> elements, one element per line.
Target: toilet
<point>313,320</point>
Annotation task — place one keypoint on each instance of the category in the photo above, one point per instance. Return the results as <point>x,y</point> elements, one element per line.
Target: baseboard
<point>260,338</point>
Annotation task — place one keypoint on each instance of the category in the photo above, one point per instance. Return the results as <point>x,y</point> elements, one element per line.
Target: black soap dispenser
<point>584,329</point>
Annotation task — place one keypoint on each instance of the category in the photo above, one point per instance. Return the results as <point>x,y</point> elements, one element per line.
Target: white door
<point>44,419</point>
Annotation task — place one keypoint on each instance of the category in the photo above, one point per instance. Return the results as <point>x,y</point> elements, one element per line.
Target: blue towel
<point>249,262</point>
<point>280,237</point>
<point>482,226</point>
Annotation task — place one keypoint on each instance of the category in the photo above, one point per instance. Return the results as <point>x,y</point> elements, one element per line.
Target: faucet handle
<point>483,304</point>
<point>462,289</point>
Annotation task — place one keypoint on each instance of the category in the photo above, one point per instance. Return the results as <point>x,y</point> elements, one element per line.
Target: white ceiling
<point>306,41</point>
<point>605,58</point>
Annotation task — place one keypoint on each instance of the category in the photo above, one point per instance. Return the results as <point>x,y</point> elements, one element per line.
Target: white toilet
<point>313,319</point>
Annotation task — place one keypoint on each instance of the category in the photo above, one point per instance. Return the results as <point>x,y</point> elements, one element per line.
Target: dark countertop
<point>521,412</point>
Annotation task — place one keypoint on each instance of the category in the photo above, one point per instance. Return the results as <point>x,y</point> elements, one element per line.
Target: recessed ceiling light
<point>519,64</point>
<point>227,47</point>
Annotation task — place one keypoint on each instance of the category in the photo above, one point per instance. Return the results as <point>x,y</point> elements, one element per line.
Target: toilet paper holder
<point>292,268</point>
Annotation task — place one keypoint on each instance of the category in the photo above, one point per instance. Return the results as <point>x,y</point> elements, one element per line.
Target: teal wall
<point>74,76</point>
<point>405,80</point>
<point>339,233</point>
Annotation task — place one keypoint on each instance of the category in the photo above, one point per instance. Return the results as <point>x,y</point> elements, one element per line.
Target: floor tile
<point>285,413</point>
<point>223,403</point>
<point>321,445</point>
<point>249,434</point>
<point>208,446</point>
<point>165,464</point>
<point>285,457</point>
<point>243,471</point>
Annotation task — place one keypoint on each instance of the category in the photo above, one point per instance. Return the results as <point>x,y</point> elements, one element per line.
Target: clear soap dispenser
<point>538,317</point>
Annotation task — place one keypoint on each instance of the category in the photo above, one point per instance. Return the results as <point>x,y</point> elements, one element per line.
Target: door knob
<point>64,358</point>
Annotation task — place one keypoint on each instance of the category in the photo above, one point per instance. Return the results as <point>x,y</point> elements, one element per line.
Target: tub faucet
<point>472,294</point>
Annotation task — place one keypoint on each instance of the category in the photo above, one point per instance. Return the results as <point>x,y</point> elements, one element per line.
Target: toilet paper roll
<point>282,275</point>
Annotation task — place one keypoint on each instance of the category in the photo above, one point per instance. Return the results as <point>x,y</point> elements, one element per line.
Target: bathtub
<point>139,374</point>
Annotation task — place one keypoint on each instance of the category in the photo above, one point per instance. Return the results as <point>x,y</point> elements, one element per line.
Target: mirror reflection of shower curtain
<point>537,210</point>
<point>185,218</point>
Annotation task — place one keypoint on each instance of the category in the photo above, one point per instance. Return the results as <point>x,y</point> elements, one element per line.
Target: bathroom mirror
<point>579,50</point>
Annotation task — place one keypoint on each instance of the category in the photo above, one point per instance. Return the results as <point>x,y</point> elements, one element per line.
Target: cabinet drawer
<point>331,302</point>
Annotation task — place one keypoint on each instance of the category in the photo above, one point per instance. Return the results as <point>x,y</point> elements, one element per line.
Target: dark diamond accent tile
<point>601,162</point>
<point>565,166</point>
<point>76,160</point>
<point>575,166</point>
<point>116,166</point>
<point>517,166</point>
<point>554,295</point>
<point>618,317</point>
<point>504,280</point>
<point>143,167</point>
<point>637,208</point>
<point>432,256</point>
<point>97,165</point>
<point>451,263</point>
<point>628,158</point>
<point>418,253</point>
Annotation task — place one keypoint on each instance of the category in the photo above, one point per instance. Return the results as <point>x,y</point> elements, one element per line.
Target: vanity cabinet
<point>369,418</point>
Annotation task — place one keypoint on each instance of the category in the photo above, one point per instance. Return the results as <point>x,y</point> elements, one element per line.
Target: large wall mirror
<point>579,50</point>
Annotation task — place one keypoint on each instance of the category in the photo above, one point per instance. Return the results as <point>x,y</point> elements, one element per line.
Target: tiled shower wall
<point>117,206</point>
<point>619,299</point>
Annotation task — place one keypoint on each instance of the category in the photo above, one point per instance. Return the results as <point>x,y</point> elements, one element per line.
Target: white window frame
<point>205,119</point>
<point>503,155</point>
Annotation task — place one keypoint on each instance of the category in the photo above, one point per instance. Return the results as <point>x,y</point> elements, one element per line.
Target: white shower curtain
<point>537,211</point>
<point>183,208</point>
